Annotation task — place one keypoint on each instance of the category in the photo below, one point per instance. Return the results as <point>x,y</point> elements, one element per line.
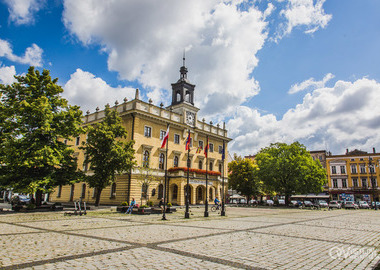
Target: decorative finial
<point>88,112</point>
<point>211,123</point>
<point>218,125</point>
<point>137,95</point>
<point>203,120</point>
<point>107,105</point>
<point>150,101</point>
<point>97,109</point>
<point>162,105</point>
<point>125,100</point>
<point>183,57</point>
<point>116,103</point>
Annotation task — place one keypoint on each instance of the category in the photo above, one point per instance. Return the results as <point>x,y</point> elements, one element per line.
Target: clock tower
<point>183,97</point>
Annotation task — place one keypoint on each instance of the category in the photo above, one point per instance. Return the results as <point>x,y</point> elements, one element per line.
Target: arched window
<point>83,194</point>
<point>200,164</point>
<point>175,161</point>
<point>187,96</point>
<point>199,194</point>
<point>178,96</point>
<point>160,191</point>
<point>59,191</point>
<point>146,159</point>
<point>113,190</point>
<point>210,197</point>
<point>72,193</point>
<point>211,166</point>
<point>144,191</point>
<point>161,161</point>
<point>175,192</point>
<point>153,192</point>
<point>220,167</point>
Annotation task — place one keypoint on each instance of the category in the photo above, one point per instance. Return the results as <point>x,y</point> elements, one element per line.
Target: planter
<point>122,208</point>
<point>170,209</point>
<point>144,211</point>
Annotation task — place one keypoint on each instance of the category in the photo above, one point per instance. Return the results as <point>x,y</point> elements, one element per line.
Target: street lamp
<point>373,180</point>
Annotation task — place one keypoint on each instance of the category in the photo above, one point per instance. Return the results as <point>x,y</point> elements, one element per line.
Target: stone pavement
<point>247,238</point>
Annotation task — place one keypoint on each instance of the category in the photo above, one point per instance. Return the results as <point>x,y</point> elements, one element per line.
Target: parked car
<point>335,204</point>
<point>269,202</point>
<point>323,204</point>
<point>377,205</point>
<point>281,202</point>
<point>310,204</point>
<point>363,205</point>
<point>350,205</point>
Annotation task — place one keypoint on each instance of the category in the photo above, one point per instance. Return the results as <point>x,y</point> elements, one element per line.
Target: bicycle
<point>217,207</point>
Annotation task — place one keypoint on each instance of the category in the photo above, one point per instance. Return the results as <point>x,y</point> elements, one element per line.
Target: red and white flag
<point>165,139</point>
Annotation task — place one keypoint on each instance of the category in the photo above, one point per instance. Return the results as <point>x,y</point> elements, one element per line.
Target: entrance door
<point>72,193</point>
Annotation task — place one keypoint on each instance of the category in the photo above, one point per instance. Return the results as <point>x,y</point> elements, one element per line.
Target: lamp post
<point>223,212</point>
<point>187,214</point>
<point>373,181</point>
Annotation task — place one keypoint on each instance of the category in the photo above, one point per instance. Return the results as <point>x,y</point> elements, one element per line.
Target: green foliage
<point>150,203</point>
<point>289,169</point>
<point>124,204</point>
<point>243,177</point>
<point>34,120</point>
<point>169,204</point>
<point>143,206</point>
<point>106,151</point>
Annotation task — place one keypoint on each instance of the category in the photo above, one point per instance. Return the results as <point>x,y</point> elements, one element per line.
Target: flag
<point>206,148</point>
<point>223,153</point>
<point>199,149</point>
<point>188,142</point>
<point>165,139</point>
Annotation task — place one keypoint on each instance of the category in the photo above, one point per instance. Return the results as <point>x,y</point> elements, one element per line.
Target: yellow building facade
<point>146,124</point>
<point>354,176</point>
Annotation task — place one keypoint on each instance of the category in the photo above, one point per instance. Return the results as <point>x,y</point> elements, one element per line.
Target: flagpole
<point>166,177</point>
<point>187,214</point>
<point>206,204</point>
<point>223,213</point>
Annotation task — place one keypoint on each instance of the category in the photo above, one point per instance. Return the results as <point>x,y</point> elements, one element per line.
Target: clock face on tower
<point>190,118</point>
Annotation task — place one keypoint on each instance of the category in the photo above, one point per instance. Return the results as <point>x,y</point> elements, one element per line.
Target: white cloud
<point>89,92</point>
<point>221,43</point>
<point>310,84</point>
<point>7,74</point>
<point>304,13</point>
<point>22,11</point>
<point>346,115</point>
<point>32,56</point>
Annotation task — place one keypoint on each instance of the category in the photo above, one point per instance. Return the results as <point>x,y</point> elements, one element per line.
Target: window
<point>355,182</point>
<point>344,183</point>
<point>200,144</point>
<point>191,142</point>
<point>371,168</point>
<point>343,169</point>
<point>59,191</point>
<point>146,159</point>
<point>162,134</point>
<point>211,166</point>
<point>200,164</point>
<point>353,169</point>
<point>220,149</point>
<point>176,138</point>
<point>211,149</point>
<point>153,192</point>
<point>220,167</point>
<point>210,194</point>
<point>333,169</point>
<point>175,161</point>
<point>175,192</point>
<point>373,182</point>
<point>77,141</point>
<point>144,191</point>
<point>199,193</point>
<point>362,168</point>
<point>113,191</point>
<point>320,158</point>
<point>364,182</point>
<point>335,183</point>
<point>147,131</point>
<point>160,191</point>
<point>83,194</point>
<point>65,142</point>
<point>161,161</point>
<point>85,164</point>
<point>178,96</point>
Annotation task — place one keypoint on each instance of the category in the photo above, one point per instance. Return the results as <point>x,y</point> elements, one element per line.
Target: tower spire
<point>183,58</point>
<point>183,69</point>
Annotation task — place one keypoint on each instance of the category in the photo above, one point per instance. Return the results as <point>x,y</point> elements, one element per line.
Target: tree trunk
<point>38,197</point>
<point>98,192</point>
<point>287,196</point>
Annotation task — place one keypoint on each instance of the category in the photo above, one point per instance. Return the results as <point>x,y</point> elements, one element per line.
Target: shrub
<point>124,204</point>
<point>143,206</point>
<point>169,204</point>
<point>150,203</point>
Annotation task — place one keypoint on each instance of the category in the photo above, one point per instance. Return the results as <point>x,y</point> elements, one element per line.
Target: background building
<point>146,125</point>
<point>353,176</point>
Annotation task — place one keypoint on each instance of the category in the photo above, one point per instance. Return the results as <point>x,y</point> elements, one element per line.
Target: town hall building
<point>146,124</point>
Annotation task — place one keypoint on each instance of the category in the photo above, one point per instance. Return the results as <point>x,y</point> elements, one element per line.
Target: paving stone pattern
<point>246,238</point>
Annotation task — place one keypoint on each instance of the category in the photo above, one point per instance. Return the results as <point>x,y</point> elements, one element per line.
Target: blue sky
<point>281,70</point>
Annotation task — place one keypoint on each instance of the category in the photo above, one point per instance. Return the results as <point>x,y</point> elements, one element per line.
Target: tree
<point>289,169</point>
<point>34,120</point>
<point>243,177</point>
<point>106,153</point>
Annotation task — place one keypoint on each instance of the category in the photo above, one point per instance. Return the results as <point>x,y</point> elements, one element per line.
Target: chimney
<point>374,150</point>
<point>347,151</point>
<point>137,95</point>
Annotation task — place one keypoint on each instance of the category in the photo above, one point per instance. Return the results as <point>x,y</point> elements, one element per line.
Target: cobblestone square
<point>246,238</point>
